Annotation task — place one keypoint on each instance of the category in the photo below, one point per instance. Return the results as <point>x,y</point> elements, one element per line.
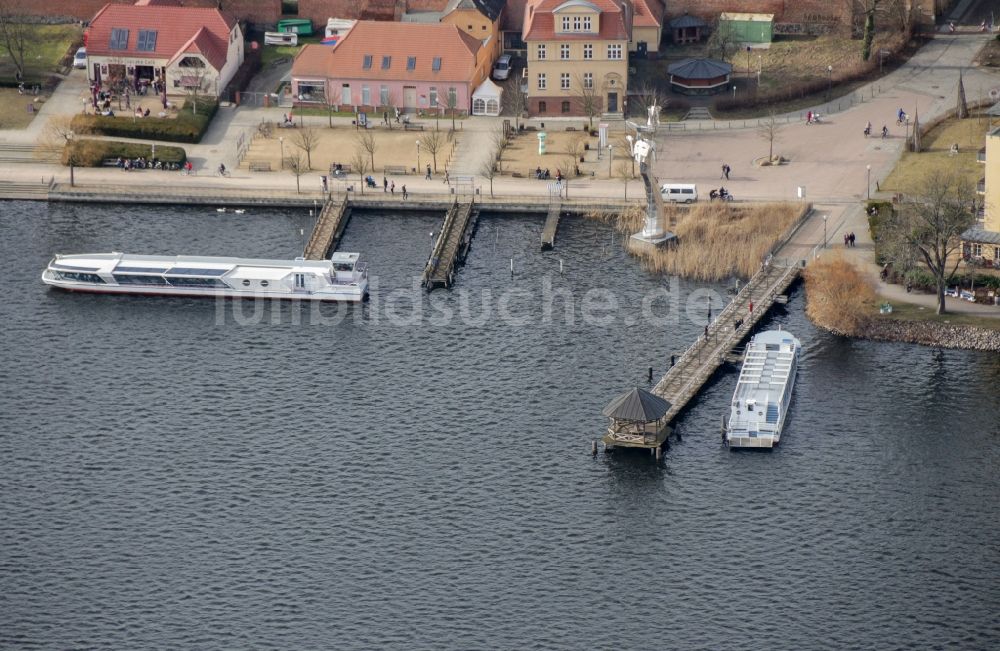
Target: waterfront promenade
<point>828,160</point>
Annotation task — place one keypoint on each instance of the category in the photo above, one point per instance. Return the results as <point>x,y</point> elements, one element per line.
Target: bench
<point>395,169</point>
<point>260,166</point>
<point>345,169</point>
<point>409,126</point>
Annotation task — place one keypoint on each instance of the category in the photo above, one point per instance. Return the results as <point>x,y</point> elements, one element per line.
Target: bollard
<point>593,448</point>
<point>659,452</point>
<point>650,375</point>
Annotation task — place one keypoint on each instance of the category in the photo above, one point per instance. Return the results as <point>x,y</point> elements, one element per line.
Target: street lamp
<point>748,61</point>
<point>824,230</point>
<point>72,156</point>
<point>418,156</point>
<point>611,156</point>
<point>829,81</point>
<point>281,140</point>
<point>869,170</point>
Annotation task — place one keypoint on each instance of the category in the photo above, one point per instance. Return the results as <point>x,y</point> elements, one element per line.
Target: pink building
<point>379,66</point>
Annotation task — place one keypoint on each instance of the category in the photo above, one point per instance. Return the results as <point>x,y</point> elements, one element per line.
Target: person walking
<point>405,194</point>
<point>428,177</point>
<point>723,171</point>
<point>852,239</point>
<point>392,188</point>
<point>385,184</point>
<point>447,179</point>
<point>325,186</point>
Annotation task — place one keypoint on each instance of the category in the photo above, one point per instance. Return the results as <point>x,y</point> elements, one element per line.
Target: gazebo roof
<point>687,20</point>
<point>700,68</point>
<point>637,405</point>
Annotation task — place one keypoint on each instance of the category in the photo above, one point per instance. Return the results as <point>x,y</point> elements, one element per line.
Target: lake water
<point>415,473</point>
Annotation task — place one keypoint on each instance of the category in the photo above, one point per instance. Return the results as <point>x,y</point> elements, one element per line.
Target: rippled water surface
<point>174,475</point>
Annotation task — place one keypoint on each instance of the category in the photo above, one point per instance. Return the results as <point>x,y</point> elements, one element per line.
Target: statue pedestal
<point>654,239</point>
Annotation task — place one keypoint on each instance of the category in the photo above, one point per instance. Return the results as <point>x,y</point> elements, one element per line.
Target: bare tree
<point>329,100</point>
<point>434,143</point>
<point>59,133</point>
<point>307,139</point>
<point>768,130</point>
<point>501,143</point>
<point>15,35</point>
<point>650,95</point>
<point>625,174</point>
<point>451,102</point>
<point>930,224</point>
<point>359,161</point>
<point>869,7</point>
<point>723,43</point>
<point>587,98</point>
<point>488,168</point>
<point>391,106</point>
<point>366,141</point>
<point>195,78</point>
<point>622,144</point>
<point>517,103</point>
<point>297,164</point>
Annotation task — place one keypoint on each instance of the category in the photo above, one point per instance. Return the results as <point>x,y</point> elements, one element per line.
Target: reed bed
<point>716,241</point>
<point>838,295</point>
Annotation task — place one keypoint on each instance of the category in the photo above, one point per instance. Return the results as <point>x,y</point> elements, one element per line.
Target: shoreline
<point>925,333</point>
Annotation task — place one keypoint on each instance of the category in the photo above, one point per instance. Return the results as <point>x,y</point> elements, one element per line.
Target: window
<point>135,279</point>
<point>345,94</point>
<point>452,98</point>
<point>614,50</point>
<point>565,107</point>
<point>564,51</point>
<point>191,62</point>
<point>383,95</point>
<point>436,64</point>
<point>576,23</point>
<point>147,40</point>
<point>996,252</point>
<point>541,51</point>
<point>434,95</point>
<point>586,23</point>
<point>366,96</point>
<point>246,283</point>
<point>411,63</point>
<point>588,80</point>
<point>541,81</point>
<point>541,107</point>
<point>976,250</point>
<point>264,283</point>
<point>386,62</point>
<point>367,65</point>
<point>79,277</point>
<point>588,50</point>
<point>119,39</point>
<point>564,81</point>
<point>565,23</point>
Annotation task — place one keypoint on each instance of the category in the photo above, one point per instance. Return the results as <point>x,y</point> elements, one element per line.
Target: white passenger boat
<point>341,278</point>
<point>763,391</point>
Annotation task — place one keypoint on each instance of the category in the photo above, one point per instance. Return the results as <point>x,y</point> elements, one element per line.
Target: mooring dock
<point>689,373</point>
<point>451,247</point>
<point>551,226</point>
<point>329,228</point>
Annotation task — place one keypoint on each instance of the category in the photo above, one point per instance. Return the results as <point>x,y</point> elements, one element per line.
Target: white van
<point>679,192</point>
<point>502,68</point>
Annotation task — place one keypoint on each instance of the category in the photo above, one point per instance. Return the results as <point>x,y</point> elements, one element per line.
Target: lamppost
<point>868,168</point>
<point>734,91</point>
<point>418,156</point>
<point>748,61</point>
<point>760,66</point>
<point>824,230</point>
<point>281,140</point>
<point>611,157</point>
<point>829,81</point>
<point>72,156</point>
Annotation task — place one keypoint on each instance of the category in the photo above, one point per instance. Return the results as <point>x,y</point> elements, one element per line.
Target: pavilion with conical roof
<point>637,421</point>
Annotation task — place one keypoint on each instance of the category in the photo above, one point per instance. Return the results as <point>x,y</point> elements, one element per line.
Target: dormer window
<point>367,65</point>
<point>119,39</point>
<point>565,22</point>
<point>411,63</point>
<point>386,62</point>
<point>147,40</point>
<point>436,64</point>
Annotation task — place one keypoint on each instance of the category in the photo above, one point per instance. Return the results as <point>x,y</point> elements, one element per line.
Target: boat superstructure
<point>341,278</point>
<point>763,391</point>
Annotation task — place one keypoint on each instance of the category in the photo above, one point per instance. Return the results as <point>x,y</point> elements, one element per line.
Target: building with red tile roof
<point>380,66</point>
<point>156,41</point>
<point>577,56</point>
<point>647,26</point>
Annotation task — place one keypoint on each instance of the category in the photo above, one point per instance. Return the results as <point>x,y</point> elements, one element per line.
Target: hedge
<point>92,153</point>
<point>185,127</point>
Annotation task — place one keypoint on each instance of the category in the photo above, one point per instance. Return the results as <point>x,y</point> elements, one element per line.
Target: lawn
<point>338,145</point>
<point>269,54</point>
<point>47,46</point>
<point>911,312</point>
<point>913,168</point>
<point>14,109</point>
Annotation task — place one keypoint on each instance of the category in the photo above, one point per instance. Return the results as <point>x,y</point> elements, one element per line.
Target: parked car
<point>80,58</point>
<point>679,192</point>
<point>501,70</point>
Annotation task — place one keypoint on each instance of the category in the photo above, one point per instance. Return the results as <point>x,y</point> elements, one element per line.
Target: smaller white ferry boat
<point>763,391</point>
<point>341,278</point>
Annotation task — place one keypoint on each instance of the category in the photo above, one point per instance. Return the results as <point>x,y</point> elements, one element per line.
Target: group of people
<point>287,121</point>
<point>885,130</point>
<point>849,239</point>
<point>721,193</point>
<point>143,163</point>
<point>725,172</point>
<point>812,118</point>
<point>543,174</point>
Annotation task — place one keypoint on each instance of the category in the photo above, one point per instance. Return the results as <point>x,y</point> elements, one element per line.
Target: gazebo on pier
<point>637,421</point>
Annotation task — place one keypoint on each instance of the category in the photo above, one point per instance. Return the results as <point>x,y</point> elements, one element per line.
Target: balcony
<point>981,155</point>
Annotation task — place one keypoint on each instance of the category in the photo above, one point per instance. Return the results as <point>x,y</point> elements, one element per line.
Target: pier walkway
<point>551,226</point>
<point>330,225</point>
<point>451,247</point>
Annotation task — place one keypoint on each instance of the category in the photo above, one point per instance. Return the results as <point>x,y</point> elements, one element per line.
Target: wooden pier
<point>684,379</point>
<point>451,247</point>
<point>329,228</point>
<point>551,226</point>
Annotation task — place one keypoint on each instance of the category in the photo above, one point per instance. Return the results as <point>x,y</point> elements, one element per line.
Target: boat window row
<point>189,271</point>
<point>136,279</point>
<point>343,266</point>
<point>197,282</point>
<point>142,270</point>
<point>79,277</point>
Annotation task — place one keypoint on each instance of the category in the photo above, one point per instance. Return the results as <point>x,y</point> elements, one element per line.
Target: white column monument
<point>643,147</point>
